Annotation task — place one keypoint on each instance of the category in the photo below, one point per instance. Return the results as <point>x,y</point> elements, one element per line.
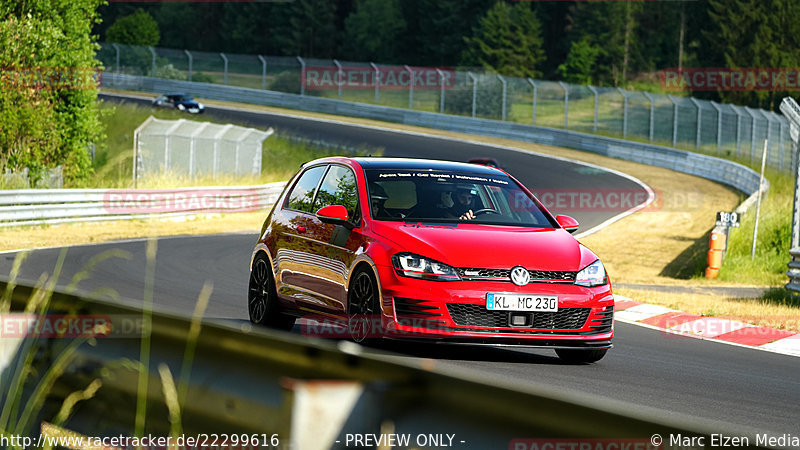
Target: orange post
<point>716,245</point>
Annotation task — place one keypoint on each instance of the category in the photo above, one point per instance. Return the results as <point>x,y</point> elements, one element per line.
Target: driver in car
<point>464,202</point>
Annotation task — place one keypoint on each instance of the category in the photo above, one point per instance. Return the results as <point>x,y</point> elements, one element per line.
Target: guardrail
<point>794,271</point>
<point>309,392</point>
<point>50,206</point>
<point>713,168</point>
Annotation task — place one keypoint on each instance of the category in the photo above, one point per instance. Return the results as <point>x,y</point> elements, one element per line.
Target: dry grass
<point>753,311</point>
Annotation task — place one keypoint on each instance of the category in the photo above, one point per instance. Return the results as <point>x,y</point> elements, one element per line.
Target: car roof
<point>424,164</point>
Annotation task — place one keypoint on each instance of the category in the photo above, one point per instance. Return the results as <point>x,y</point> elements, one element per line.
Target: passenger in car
<point>377,199</point>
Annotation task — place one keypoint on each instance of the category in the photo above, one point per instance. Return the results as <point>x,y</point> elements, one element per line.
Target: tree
<point>312,30</point>
<point>48,95</point>
<point>754,34</point>
<point>611,27</point>
<point>138,28</point>
<point>580,63</point>
<point>372,30</point>
<point>507,40</point>
<point>436,30</point>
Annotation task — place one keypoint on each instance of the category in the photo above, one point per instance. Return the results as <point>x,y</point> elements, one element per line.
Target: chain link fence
<point>729,131</point>
<point>195,149</point>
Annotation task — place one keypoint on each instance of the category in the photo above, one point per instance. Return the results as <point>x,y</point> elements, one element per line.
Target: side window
<point>302,196</point>
<point>338,188</point>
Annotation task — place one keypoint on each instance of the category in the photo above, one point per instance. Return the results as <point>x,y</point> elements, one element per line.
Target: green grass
<point>282,154</point>
<point>768,267</point>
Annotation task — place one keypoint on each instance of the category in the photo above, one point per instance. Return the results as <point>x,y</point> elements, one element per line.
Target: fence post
<point>474,93</point>
<point>674,120</point>
<point>153,63</point>
<point>505,93</point>
<point>189,55</point>
<point>738,130</point>
<point>339,78</point>
<point>377,80</point>
<point>410,87</point>
<point>769,125</point>
<point>116,48</point>
<point>533,107</point>
<point>699,121</point>
<point>441,94</point>
<point>652,113</point>
<point>624,112</point>
<point>782,139</point>
<point>225,69</point>
<point>719,127</point>
<point>596,103</point>
<point>263,72</point>
<point>566,103</point>
<point>302,76</point>
<point>752,133</point>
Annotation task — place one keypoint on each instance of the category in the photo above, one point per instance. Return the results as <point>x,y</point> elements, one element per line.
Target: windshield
<point>437,196</point>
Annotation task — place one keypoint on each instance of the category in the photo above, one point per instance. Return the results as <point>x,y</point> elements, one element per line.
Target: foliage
<point>372,30</point>
<point>635,40</point>
<point>138,28</point>
<point>288,81</point>
<point>488,102</point>
<point>755,33</point>
<point>580,63</point>
<point>48,88</point>
<point>507,40</point>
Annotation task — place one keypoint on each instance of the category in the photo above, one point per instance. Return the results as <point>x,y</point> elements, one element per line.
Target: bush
<point>489,102</point>
<point>287,81</point>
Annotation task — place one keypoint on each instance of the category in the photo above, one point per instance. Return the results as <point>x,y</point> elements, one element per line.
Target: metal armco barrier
<point>794,271</point>
<point>49,206</point>
<point>712,168</point>
<point>309,392</point>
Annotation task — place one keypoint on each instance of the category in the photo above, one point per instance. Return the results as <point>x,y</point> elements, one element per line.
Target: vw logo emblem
<point>520,276</point>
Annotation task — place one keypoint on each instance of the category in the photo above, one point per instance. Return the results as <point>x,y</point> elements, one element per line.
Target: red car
<point>428,250</point>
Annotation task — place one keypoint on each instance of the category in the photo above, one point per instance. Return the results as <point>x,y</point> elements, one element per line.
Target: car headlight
<point>416,266</point>
<point>200,106</point>
<point>592,275</point>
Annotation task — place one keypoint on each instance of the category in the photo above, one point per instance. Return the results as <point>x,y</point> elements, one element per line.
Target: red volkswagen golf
<point>433,250</point>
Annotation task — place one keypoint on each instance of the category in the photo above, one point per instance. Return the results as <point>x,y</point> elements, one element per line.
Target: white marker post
<point>758,202</point>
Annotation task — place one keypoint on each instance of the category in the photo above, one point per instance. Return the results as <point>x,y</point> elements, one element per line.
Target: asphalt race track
<point>746,390</point>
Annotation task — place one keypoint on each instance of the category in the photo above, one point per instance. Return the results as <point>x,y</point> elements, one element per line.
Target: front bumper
<point>455,312</point>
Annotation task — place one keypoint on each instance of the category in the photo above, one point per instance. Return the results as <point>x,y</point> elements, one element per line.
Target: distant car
<point>491,162</point>
<point>384,245</point>
<point>182,102</point>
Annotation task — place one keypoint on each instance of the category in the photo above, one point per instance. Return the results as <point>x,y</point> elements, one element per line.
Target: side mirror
<point>334,214</point>
<point>567,223</point>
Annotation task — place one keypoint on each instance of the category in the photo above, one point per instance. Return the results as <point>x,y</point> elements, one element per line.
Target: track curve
<point>744,389</point>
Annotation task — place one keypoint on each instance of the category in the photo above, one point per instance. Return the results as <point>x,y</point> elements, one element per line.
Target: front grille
<point>417,313</point>
<point>602,320</point>
<point>478,316</point>
<point>537,276</point>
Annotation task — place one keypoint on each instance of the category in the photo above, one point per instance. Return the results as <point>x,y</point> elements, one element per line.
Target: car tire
<point>578,356</point>
<point>262,299</point>
<point>363,312</point>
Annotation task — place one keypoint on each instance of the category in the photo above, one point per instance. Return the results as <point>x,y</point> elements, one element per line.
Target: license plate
<point>521,302</point>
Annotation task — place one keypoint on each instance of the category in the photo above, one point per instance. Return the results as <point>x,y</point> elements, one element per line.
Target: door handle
<point>301,229</point>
